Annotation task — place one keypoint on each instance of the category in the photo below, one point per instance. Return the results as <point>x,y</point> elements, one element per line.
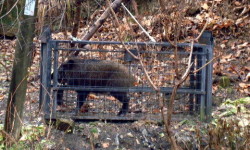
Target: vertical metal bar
<point>209,69</point>
<point>43,46</point>
<point>203,85</point>
<point>207,38</point>
<point>198,77</point>
<point>47,75</point>
<point>55,66</point>
<point>55,78</point>
<point>45,80</point>
<point>192,85</point>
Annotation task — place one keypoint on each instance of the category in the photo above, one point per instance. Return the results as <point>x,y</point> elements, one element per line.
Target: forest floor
<point>102,135</point>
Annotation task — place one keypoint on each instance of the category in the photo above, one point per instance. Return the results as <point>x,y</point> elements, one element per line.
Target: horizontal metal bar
<point>88,117</point>
<point>128,43</point>
<point>132,89</point>
<point>121,51</point>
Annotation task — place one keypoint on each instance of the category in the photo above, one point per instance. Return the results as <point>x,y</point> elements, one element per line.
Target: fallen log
<point>99,22</point>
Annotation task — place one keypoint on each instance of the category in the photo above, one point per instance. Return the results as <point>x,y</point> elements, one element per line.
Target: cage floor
<point>114,118</point>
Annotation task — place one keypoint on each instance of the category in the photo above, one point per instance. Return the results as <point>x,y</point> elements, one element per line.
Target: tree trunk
<point>18,85</point>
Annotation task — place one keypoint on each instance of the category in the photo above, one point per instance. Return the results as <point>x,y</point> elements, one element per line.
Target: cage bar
<point>67,82</point>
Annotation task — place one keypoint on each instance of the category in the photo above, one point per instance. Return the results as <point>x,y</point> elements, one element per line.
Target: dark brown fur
<point>95,73</point>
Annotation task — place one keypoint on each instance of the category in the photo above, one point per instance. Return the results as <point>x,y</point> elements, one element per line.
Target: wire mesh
<point>106,82</point>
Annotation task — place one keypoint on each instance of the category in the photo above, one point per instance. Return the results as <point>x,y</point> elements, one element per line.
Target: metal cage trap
<point>105,82</point>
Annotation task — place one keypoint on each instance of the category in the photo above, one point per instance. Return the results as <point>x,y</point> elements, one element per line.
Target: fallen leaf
<point>238,21</point>
<point>222,45</point>
<point>243,45</point>
<point>156,111</point>
<point>247,77</point>
<point>130,134</point>
<point>244,85</point>
<point>111,98</point>
<point>205,6</point>
<point>237,3</point>
<point>92,96</point>
<point>105,145</point>
<point>1,97</point>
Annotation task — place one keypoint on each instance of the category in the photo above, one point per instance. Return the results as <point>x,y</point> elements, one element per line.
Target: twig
<point>98,23</point>
<point>150,37</point>
<point>119,34</point>
<point>149,79</point>
<point>5,67</point>
<point>198,37</point>
<point>91,140</point>
<point>195,71</point>
<point>76,18</point>
<point>191,53</point>
<point>166,121</point>
<point>100,20</point>
<point>205,26</point>
<point>137,58</point>
<point>50,117</point>
<point>9,10</point>
<point>245,10</point>
<point>134,4</point>
<point>10,138</point>
<point>10,107</point>
<point>63,14</point>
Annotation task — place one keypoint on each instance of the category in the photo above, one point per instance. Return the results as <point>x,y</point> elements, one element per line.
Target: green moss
<point>224,82</point>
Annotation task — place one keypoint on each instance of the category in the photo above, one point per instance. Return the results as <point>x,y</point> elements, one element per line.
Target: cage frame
<point>204,46</point>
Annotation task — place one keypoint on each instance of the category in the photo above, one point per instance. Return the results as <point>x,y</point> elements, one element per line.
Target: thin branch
<point>76,18</point>
<point>50,117</point>
<point>150,37</point>
<point>137,58</point>
<point>170,107</point>
<point>195,71</point>
<point>63,14</point>
<point>10,137</point>
<point>5,66</point>
<point>149,79</point>
<point>205,26</point>
<point>119,34</point>
<point>98,23</point>
<point>203,29</point>
<point>134,4</point>
<point>9,10</point>
<point>191,53</point>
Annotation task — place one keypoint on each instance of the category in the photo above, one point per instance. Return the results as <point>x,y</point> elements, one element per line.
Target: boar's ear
<point>69,65</point>
<point>71,61</point>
